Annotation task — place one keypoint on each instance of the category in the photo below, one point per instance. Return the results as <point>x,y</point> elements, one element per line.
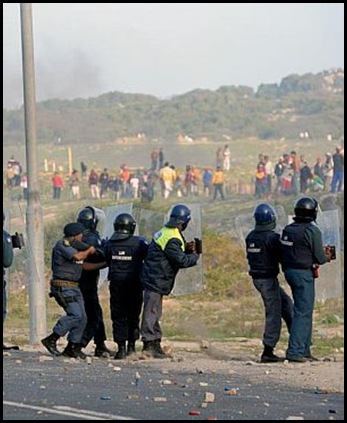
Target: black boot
<point>310,357</point>
<point>159,351</point>
<point>147,346</point>
<point>102,351</point>
<point>268,355</point>
<point>10,347</point>
<point>153,348</point>
<point>74,351</point>
<point>50,343</point>
<point>121,353</point>
<point>131,348</point>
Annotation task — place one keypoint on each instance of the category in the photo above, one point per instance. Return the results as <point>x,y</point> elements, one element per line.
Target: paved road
<point>62,389</point>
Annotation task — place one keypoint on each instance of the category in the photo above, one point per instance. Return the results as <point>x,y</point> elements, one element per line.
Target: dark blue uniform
<point>66,273</point>
<point>88,283</point>
<point>124,254</point>
<point>263,249</point>
<point>7,259</point>
<point>302,247</point>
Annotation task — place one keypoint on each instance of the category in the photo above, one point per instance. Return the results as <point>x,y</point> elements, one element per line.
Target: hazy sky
<point>165,49</point>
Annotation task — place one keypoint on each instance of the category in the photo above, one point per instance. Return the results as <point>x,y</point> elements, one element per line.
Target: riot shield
<point>7,217</point>
<point>329,284</point>
<point>190,280</point>
<point>148,222</point>
<point>245,223</point>
<point>107,230</point>
<point>110,214</point>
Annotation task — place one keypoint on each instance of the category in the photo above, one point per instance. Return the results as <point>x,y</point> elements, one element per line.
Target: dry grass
<point>197,317</point>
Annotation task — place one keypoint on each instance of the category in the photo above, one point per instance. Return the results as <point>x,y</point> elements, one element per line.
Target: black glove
<point>17,240</point>
<point>330,250</point>
<point>198,245</point>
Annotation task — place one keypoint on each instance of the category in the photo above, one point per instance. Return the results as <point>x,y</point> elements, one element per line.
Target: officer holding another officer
<point>263,249</point>
<point>303,251</point>
<point>124,254</point>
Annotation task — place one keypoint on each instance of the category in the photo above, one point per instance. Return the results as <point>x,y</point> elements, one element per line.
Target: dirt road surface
<point>219,381</point>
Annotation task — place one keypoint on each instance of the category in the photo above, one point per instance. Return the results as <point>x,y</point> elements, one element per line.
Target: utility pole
<point>34,212</point>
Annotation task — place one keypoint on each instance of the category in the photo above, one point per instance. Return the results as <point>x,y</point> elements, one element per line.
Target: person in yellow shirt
<point>167,176</point>
<point>218,183</point>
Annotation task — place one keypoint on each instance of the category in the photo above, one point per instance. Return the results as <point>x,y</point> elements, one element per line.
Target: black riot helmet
<point>124,223</point>
<point>306,209</point>
<point>89,217</point>
<point>264,214</point>
<point>180,215</point>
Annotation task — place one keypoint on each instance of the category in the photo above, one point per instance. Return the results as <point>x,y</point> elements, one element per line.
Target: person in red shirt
<point>58,184</point>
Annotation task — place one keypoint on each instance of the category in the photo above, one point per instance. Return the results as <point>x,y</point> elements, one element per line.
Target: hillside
<point>300,103</point>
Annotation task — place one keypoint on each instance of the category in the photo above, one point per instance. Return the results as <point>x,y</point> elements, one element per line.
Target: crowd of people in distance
<point>293,175</point>
<point>290,175</point>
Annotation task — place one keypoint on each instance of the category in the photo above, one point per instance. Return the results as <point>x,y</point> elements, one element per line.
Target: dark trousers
<point>125,305</point>
<point>337,181</point>
<point>75,320</point>
<point>56,193</point>
<point>302,285</point>
<point>277,305</point>
<point>151,314</point>
<point>218,189</point>
<point>95,328</point>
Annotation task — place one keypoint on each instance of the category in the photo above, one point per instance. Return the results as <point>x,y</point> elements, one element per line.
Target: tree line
<point>309,102</point>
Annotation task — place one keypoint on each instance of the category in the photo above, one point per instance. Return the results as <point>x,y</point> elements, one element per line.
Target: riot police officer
<point>67,263</point>
<point>89,217</point>
<point>168,253</point>
<point>263,250</point>
<point>302,249</point>
<point>7,260</point>
<point>10,242</point>
<point>124,254</point>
